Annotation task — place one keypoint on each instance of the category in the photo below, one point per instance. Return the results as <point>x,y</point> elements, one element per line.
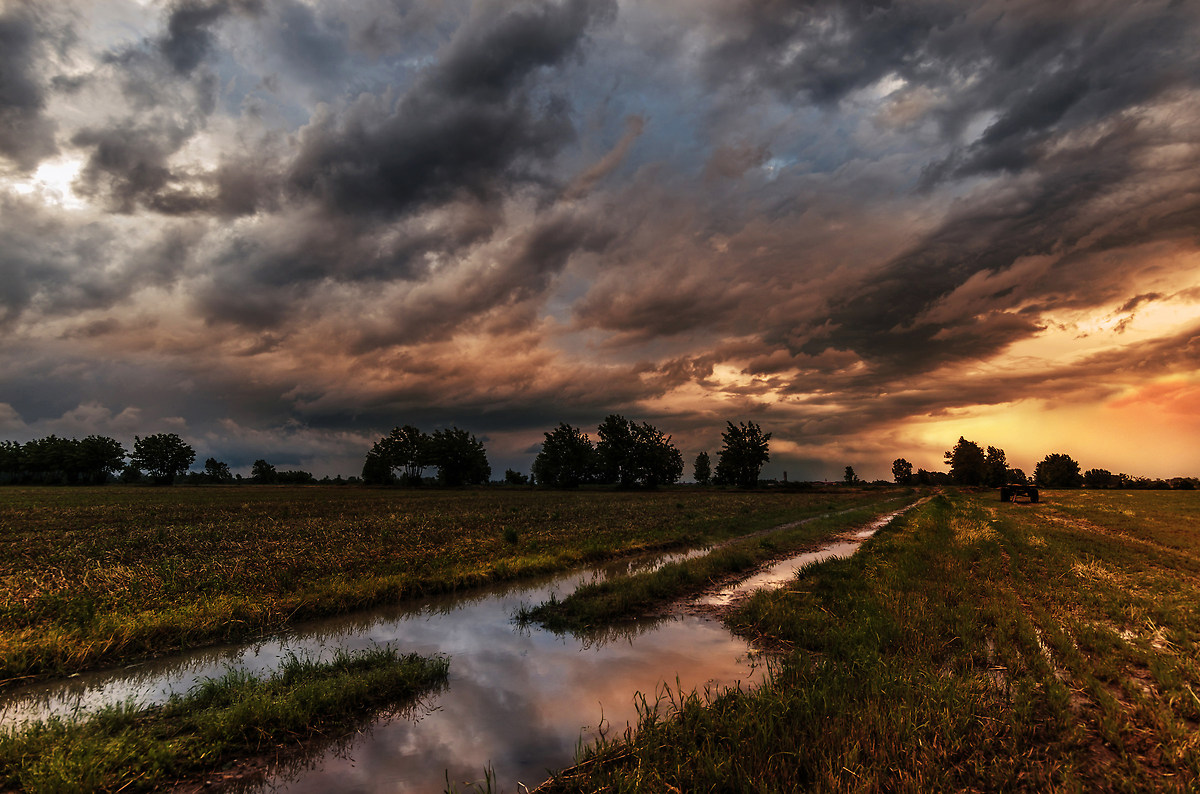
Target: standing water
<point>518,700</point>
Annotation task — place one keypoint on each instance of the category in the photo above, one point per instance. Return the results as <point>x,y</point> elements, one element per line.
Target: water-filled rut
<point>517,700</point>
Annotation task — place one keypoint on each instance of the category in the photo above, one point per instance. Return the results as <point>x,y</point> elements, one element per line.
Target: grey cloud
<point>822,50</point>
<point>304,44</point>
<point>128,165</point>
<point>26,132</point>
<point>469,126</point>
<point>519,274</point>
<point>55,267</point>
<point>189,37</point>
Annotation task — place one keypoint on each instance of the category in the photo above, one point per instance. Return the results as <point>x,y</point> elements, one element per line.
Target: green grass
<point>124,748</point>
<point>973,645</point>
<point>598,605</point>
<point>91,577</point>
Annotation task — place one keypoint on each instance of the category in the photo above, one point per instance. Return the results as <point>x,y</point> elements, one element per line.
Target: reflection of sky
<point>517,699</point>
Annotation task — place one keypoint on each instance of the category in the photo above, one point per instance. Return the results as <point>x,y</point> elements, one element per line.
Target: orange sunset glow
<point>281,228</point>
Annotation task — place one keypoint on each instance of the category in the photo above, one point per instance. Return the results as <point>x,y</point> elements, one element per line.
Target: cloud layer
<point>282,227</point>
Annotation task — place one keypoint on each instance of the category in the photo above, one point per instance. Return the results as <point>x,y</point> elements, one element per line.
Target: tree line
<point>161,459</point>
<point>626,453</point>
<point>970,464</point>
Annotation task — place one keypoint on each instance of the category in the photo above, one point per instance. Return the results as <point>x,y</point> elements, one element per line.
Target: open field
<point>100,576</point>
<point>973,645</point>
<point>124,748</point>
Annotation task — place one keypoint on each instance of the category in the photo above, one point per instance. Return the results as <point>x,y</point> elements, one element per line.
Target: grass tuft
<point>127,748</point>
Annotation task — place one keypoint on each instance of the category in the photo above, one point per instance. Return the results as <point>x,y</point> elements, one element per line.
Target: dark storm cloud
<point>189,37</point>
<point>1057,217</point>
<point>1061,84</point>
<point>822,50</point>
<point>473,128</point>
<point>517,275</point>
<point>471,125</point>
<point>26,132</point>
<point>51,267</point>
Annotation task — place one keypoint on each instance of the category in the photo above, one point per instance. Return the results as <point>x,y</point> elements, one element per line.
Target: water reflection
<point>784,571</point>
<point>519,700</point>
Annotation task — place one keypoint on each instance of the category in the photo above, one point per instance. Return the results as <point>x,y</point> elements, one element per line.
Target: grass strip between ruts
<point>596,605</point>
<point>971,646</point>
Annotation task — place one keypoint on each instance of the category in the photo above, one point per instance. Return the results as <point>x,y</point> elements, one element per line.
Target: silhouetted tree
<point>262,472</point>
<point>1099,478</point>
<point>968,465</point>
<point>567,458</point>
<point>216,471</point>
<point>164,456</point>
<point>902,471</point>
<point>614,450</point>
<point>849,477</point>
<point>997,467</point>
<point>926,477</point>
<point>1017,476</point>
<point>514,477</point>
<point>100,456</point>
<point>744,452</point>
<point>377,469</point>
<point>634,455</point>
<point>1058,471</point>
<point>11,461</point>
<point>407,449</point>
<point>294,477</point>
<point>460,457</point>
<point>702,469</point>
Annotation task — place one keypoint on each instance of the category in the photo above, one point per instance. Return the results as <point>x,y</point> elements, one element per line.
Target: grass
<point>92,577</point>
<point>598,605</point>
<point>125,748</point>
<point>973,645</point>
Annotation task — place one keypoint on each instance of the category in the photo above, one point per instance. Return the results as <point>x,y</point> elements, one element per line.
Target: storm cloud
<point>289,226</point>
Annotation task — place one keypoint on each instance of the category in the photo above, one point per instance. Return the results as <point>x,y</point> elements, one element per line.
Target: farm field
<point>972,645</point>
<point>101,576</point>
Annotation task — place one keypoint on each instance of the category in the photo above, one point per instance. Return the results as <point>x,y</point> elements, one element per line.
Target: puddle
<point>519,700</point>
<point>782,572</point>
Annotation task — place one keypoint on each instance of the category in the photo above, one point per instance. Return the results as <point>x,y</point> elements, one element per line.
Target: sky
<point>280,228</point>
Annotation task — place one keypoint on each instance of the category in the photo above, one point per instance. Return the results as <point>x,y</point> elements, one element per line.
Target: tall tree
<point>100,456</point>
<point>615,450</point>
<point>636,455</point>
<point>744,451</point>
<point>262,472</point>
<point>997,467</point>
<point>702,469</point>
<point>1099,478</point>
<point>408,449</point>
<point>656,461</point>
<point>216,471</point>
<point>460,457</point>
<point>164,456</point>
<point>1058,471</point>
<point>377,469</point>
<point>967,462</point>
<point>849,477</point>
<point>567,458</point>
<point>902,471</point>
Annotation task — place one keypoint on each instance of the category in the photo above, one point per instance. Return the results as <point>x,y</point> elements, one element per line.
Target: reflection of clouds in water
<point>521,707</point>
<point>517,699</point>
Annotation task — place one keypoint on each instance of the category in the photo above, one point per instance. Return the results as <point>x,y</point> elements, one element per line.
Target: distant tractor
<point>1010,492</point>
